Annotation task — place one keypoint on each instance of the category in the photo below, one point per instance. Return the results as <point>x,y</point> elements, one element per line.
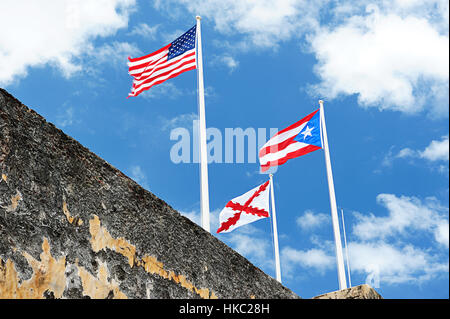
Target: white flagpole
<point>204,196</point>
<point>334,214</point>
<point>275,233</point>
<point>346,249</point>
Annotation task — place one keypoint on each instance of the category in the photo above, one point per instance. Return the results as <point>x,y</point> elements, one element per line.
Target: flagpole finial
<point>320,102</point>
<point>198,17</point>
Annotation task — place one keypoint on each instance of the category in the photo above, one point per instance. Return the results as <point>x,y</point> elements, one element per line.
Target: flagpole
<point>275,233</point>
<point>204,196</point>
<point>334,214</point>
<point>346,250</point>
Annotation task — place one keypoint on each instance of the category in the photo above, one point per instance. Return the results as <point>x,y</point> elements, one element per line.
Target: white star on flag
<point>307,132</point>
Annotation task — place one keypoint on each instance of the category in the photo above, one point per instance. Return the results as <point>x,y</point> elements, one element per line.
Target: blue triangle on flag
<point>310,134</point>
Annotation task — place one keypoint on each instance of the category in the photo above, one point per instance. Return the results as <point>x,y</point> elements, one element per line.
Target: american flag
<point>296,140</point>
<point>166,63</point>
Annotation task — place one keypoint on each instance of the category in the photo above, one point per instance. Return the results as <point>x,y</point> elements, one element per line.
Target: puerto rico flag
<point>300,138</point>
<point>245,209</point>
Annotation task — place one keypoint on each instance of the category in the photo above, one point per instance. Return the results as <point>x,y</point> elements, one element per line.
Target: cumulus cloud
<point>384,244</point>
<point>310,220</point>
<point>226,60</point>
<point>381,248</point>
<point>163,90</point>
<point>390,54</point>
<point>230,62</point>
<point>436,152</point>
<point>394,264</point>
<point>405,214</point>
<point>389,60</point>
<point>264,23</point>
<point>54,32</point>
<point>144,30</point>
<point>388,249</point>
<point>181,120</point>
<point>256,248</point>
<point>315,259</point>
<point>114,53</point>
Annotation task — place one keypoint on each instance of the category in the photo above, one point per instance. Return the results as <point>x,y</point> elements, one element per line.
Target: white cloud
<point>441,233</point>
<point>55,32</point>
<point>256,249</point>
<point>316,259</point>
<point>115,53</point>
<point>391,61</point>
<point>408,245</point>
<point>384,244</point>
<point>264,23</point>
<point>163,90</point>
<point>393,264</point>
<point>144,30</point>
<point>183,120</point>
<point>310,220</point>
<point>230,62</point>
<point>406,214</point>
<point>437,150</point>
<point>227,60</point>
<point>391,54</point>
<point>406,152</point>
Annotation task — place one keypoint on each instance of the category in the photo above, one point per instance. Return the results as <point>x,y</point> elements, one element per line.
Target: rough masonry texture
<point>357,292</point>
<point>73,226</point>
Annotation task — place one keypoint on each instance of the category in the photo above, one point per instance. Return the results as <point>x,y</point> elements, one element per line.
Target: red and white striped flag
<point>244,209</point>
<point>296,140</point>
<point>166,63</point>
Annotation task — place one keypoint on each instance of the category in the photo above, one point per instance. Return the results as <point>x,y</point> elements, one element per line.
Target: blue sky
<point>380,66</point>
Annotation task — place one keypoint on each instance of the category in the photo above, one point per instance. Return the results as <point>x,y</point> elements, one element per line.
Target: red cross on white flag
<point>245,209</point>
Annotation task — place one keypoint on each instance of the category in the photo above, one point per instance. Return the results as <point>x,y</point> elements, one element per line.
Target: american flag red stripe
<point>163,64</point>
<point>138,65</point>
<point>154,72</point>
<point>282,146</point>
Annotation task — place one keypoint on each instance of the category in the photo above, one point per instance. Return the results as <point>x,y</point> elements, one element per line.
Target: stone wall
<point>73,226</point>
<point>356,292</point>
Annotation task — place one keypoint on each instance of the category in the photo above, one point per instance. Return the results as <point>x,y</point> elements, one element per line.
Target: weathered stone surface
<point>357,292</point>
<point>73,226</point>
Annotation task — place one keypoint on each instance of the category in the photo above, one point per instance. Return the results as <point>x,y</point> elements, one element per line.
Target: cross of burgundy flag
<point>166,63</point>
<point>245,209</point>
<point>296,140</point>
